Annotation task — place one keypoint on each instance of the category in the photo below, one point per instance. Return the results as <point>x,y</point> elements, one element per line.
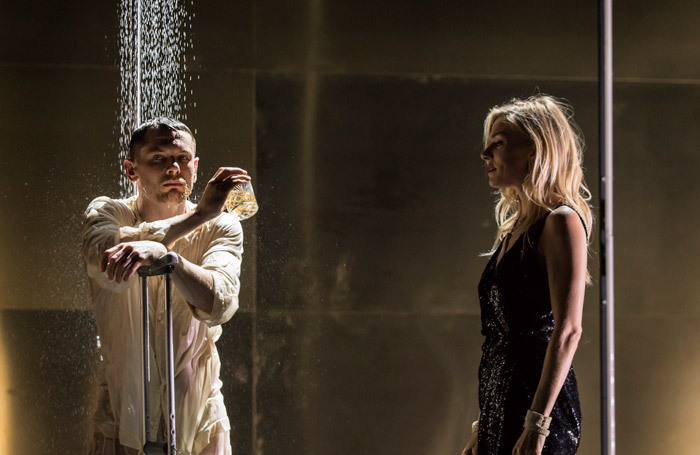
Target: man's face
<point>165,167</point>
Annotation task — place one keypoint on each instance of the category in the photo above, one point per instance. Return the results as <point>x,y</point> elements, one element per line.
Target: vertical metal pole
<point>146,356</point>
<point>137,56</point>
<point>163,266</point>
<point>136,121</point>
<point>170,366</point>
<point>137,74</point>
<point>607,308</point>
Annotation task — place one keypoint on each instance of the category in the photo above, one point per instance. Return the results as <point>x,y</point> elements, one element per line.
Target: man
<point>121,235</point>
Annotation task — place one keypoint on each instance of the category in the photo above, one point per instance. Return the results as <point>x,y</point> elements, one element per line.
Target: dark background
<point>361,123</point>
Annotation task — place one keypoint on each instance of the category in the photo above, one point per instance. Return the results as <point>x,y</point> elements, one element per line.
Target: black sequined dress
<point>516,318</point>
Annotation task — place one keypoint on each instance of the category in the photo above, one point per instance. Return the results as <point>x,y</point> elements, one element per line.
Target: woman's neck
<point>523,201</point>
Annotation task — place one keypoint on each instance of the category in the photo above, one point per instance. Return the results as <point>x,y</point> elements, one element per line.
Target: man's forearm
<point>171,229</point>
<point>195,284</point>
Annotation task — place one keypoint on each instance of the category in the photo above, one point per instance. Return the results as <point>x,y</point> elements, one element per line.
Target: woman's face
<point>506,156</point>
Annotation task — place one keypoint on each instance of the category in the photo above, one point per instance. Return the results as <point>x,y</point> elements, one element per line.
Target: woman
<point>531,292</point>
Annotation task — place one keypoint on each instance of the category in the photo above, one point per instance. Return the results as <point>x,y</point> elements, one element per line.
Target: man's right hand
<point>123,260</point>
<point>218,187</point>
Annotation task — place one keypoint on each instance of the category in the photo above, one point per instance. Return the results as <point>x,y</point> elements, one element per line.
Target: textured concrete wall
<point>361,123</point>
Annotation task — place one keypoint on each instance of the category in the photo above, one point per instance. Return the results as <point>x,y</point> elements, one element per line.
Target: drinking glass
<point>241,201</point>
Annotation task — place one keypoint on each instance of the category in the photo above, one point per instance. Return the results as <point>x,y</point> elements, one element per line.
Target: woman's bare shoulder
<point>563,226</point>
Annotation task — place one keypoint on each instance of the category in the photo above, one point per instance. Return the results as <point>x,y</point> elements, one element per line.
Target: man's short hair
<point>138,137</point>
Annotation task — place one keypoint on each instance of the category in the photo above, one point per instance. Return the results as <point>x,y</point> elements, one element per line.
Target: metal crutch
<point>163,266</point>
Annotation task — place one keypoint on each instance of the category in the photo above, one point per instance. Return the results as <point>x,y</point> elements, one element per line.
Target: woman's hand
<point>471,447</point>
<point>529,443</point>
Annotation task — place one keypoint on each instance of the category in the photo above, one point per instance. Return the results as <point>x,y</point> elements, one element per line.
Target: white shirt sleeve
<point>154,231</point>
<point>101,231</point>
<point>222,257</point>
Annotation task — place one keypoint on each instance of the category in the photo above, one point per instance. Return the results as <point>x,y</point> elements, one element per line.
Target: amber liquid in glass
<point>241,202</point>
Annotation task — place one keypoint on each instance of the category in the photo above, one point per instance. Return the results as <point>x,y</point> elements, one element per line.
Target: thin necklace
<point>508,236</point>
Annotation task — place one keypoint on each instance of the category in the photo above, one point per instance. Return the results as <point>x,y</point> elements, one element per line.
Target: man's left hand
<point>529,443</point>
<point>123,260</point>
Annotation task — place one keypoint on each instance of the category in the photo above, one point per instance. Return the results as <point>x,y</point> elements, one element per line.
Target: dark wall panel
<point>347,382</point>
<point>59,152</point>
<point>361,124</point>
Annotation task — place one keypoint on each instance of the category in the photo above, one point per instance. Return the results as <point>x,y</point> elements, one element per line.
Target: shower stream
<point>154,36</point>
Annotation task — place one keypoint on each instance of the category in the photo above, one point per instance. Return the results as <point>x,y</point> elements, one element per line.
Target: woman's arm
<point>565,248</point>
<point>564,245</point>
<point>472,447</point>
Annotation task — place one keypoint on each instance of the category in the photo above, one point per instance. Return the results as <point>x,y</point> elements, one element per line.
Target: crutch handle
<point>162,265</point>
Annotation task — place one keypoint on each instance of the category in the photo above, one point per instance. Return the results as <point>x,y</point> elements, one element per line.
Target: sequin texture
<point>516,319</point>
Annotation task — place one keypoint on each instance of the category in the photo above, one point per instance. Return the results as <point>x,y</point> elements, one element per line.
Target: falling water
<point>155,36</point>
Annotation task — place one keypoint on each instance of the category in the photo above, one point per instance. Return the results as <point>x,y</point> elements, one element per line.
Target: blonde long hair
<point>556,175</point>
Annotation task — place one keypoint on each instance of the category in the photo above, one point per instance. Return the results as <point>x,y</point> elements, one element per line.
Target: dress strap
<point>585,228</point>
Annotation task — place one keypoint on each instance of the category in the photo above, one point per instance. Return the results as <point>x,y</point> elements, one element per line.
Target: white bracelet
<point>539,423</point>
<point>475,426</point>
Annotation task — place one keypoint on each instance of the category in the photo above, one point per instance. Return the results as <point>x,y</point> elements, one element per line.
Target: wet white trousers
<point>219,444</point>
